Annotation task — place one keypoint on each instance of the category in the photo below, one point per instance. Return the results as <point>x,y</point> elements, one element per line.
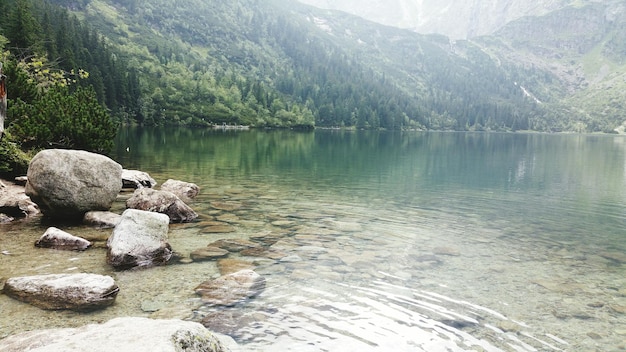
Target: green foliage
<point>13,161</point>
<point>63,119</point>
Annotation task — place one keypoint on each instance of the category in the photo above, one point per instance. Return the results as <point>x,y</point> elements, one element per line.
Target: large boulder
<point>69,183</point>
<point>139,240</point>
<point>163,202</point>
<point>231,289</point>
<point>137,179</point>
<point>77,292</point>
<point>121,334</point>
<point>59,239</point>
<point>183,190</point>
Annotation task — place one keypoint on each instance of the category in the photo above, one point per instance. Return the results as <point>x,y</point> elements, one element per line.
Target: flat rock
<point>618,257</point>
<point>139,240</point>
<point>78,292</point>
<point>102,219</point>
<point>59,239</point>
<point>137,179</point>
<point>218,229</point>
<point>184,190</point>
<point>163,202</point>
<point>231,289</point>
<point>122,334</point>
<point>263,252</point>
<point>226,206</point>
<point>234,244</point>
<point>208,253</point>
<point>229,266</point>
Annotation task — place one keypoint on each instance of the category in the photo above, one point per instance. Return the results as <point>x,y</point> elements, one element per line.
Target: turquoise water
<point>383,240</point>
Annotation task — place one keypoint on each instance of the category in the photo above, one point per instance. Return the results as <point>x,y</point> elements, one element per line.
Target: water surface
<point>380,241</point>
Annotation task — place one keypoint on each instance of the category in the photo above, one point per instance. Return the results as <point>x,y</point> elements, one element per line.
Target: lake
<point>380,241</point>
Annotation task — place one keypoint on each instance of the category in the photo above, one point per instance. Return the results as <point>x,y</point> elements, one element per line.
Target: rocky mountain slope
<point>457,19</point>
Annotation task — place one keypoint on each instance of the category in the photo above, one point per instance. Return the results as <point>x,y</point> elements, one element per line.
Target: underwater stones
<point>231,289</point>
<point>64,291</point>
<point>122,334</point>
<point>229,266</point>
<point>208,253</point>
<point>163,202</point>
<point>617,257</point>
<point>225,228</point>
<point>139,240</point>
<point>449,251</point>
<point>234,244</point>
<point>58,239</point>
<point>226,206</point>
<point>263,252</point>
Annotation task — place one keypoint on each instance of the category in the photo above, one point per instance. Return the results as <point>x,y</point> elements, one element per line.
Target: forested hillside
<point>279,63</point>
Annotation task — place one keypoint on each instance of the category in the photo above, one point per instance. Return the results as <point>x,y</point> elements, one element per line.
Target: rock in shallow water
<point>58,239</point>
<point>162,202</point>
<point>139,240</point>
<point>231,289</point>
<point>122,334</point>
<point>64,291</point>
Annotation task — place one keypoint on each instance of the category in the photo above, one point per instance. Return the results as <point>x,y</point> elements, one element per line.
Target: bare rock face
<point>162,202</point>
<point>69,183</point>
<point>183,190</point>
<point>231,289</point>
<point>137,179</point>
<point>79,292</point>
<point>58,239</point>
<point>139,240</point>
<point>121,334</point>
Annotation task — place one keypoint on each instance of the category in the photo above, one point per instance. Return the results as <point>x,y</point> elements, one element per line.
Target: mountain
<point>286,64</point>
<point>457,19</point>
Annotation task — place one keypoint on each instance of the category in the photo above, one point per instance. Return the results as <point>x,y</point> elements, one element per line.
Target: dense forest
<point>272,63</point>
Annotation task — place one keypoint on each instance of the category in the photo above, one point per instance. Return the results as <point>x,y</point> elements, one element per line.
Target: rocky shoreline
<point>72,185</point>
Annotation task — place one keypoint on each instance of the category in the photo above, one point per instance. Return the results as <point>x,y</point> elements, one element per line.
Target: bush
<point>13,161</point>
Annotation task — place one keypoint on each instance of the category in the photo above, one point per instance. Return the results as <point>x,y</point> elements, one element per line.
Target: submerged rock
<point>69,183</point>
<point>139,240</point>
<point>231,289</point>
<point>64,291</point>
<point>58,239</point>
<point>102,219</point>
<point>208,253</point>
<point>234,244</point>
<point>162,202</point>
<point>121,334</point>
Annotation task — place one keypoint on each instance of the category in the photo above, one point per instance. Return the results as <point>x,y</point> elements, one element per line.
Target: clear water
<point>384,241</point>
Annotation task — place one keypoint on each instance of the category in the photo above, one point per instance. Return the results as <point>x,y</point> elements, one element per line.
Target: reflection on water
<point>378,241</point>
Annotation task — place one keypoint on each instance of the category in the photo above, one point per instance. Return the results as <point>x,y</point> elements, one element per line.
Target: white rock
<point>59,239</point>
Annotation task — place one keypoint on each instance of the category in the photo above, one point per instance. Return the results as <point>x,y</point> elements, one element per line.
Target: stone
<point>184,190</point>
<point>79,292</point>
<point>139,240</point>
<point>617,257</point>
<point>267,238</point>
<point>122,334</point>
<point>234,244</point>
<point>137,179</point>
<point>69,183</point>
<point>14,202</point>
<point>218,229</point>
<point>228,290</point>
<point>447,251</point>
<point>162,202</point>
<point>263,252</point>
<point>58,239</point>
<point>208,253</point>
<point>229,266</point>
<point>102,219</point>
<point>226,206</point>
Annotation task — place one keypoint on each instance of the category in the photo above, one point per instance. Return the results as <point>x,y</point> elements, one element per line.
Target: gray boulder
<point>15,203</point>
<point>102,219</point>
<point>121,334</point>
<point>137,179</point>
<point>58,239</point>
<point>69,183</point>
<point>139,240</point>
<point>77,292</point>
<point>231,289</point>
<point>163,202</point>
<point>183,190</point>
